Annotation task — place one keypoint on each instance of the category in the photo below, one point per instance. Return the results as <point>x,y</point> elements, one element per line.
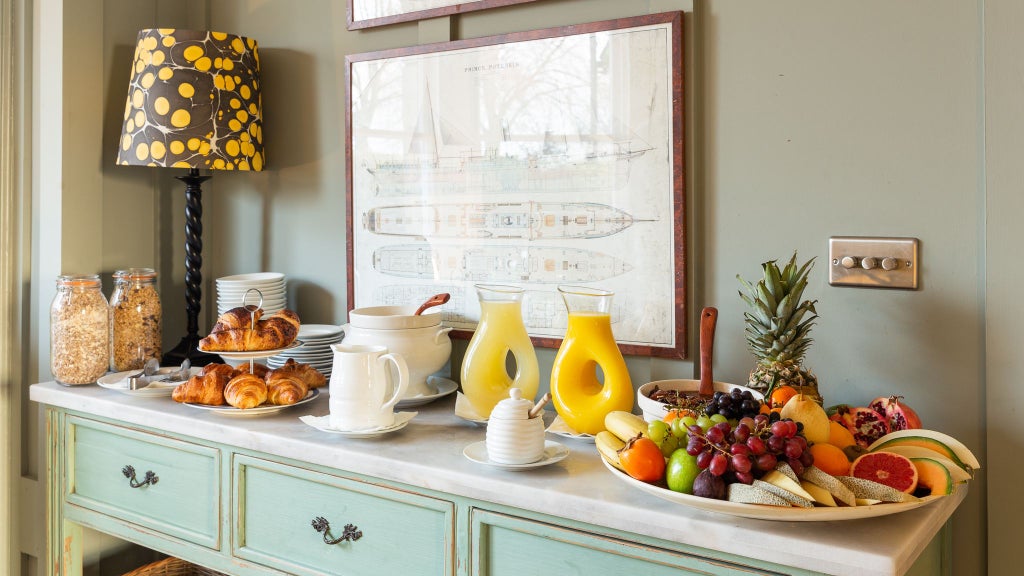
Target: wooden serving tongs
<point>708,320</point>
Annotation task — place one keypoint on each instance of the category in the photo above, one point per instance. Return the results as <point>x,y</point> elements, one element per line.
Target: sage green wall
<point>805,119</point>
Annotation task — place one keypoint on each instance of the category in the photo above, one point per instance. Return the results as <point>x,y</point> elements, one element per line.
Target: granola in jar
<point>135,319</point>
<point>79,330</point>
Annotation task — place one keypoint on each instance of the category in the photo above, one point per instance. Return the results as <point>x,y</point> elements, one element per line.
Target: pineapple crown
<point>777,330</point>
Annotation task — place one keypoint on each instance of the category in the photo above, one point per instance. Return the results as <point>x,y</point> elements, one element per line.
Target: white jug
<point>359,387</point>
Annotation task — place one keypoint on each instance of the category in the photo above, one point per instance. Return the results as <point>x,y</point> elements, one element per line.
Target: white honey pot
<point>420,339</point>
<point>513,436</point>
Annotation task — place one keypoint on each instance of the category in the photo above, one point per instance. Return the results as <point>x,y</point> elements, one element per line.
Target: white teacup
<point>359,387</point>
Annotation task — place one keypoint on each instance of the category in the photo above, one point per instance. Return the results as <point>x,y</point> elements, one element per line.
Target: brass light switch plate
<point>873,262</point>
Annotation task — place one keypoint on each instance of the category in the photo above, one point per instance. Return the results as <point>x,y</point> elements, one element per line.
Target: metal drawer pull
<point>129,473</point>
<point>349,532</point>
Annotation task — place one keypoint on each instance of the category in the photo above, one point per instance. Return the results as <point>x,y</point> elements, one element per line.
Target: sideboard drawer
<point>183,498</point>
<point>400,532</point>
<point>504,545</point>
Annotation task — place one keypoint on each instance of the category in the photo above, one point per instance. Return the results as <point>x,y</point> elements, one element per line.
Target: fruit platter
<point>770,450</point>
<point>765,467</point>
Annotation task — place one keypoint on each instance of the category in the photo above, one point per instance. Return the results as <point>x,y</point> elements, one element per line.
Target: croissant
<point>239,334</point>
<point>207,387</point>
<point>237,318</point>
<point>260,370</point>
<point>283,390</point>
<point>308,374</point>
<point>246,391</point>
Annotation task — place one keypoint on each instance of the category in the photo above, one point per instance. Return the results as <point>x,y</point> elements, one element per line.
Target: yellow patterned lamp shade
<point>193,102</point>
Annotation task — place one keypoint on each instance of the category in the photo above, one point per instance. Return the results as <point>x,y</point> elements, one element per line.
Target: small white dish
<point>553,452</point>
<point>558,427</point>
<point>440,386</point>
<point>118,382</point>
<point>465,411</point>
<point>322,423</point>
<point>261,410</point>
<point>318,332</point>
<point>254,354</point>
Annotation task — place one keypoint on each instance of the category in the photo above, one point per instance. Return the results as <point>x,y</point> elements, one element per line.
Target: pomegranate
<point>865,424</point>
<point>899,415</point>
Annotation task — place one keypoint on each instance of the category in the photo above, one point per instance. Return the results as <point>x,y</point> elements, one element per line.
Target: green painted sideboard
<point>270,495</point>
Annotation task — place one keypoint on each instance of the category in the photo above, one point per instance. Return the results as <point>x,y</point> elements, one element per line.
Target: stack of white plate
<point>232,290</point>
<point>315,349</point>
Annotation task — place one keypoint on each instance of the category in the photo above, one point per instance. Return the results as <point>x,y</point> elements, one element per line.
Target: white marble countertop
<point>428,454</point>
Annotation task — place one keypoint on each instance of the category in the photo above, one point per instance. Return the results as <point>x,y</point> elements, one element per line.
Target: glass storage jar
<point>79,330</point>
<point>135,319</point>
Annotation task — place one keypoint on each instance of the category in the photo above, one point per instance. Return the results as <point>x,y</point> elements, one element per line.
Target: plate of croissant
<point>242,331</point>
<point>250,389</point>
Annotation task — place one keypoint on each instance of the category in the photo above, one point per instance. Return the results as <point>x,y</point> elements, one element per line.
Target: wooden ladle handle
<point>435,300</point>
<point>708,320</point>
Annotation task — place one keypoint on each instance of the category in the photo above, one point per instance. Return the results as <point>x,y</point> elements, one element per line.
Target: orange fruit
<point>893,470</point>
<point>830,459</point>
<point>678,413</point>
<point>839,435</point>
<point>781,395</point>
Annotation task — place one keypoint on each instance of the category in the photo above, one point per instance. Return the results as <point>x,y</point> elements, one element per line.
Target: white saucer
<point>553,452</point>
<point>441,386</point>
<point>254,354</point>
<point>558,427</point>
<point>316,332</point>
<point>261,410</point>
<point>118,382</point>
<point>402,420</point>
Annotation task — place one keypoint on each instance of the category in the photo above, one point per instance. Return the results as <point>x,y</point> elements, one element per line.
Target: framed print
<point>367,13</point>
<point>536,159</point>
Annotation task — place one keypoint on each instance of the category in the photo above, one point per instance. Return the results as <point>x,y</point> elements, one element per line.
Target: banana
<point>625,425</point>
<point>608,445</point>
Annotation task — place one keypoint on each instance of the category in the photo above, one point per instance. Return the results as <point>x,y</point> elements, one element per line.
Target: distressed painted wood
<point>183,500</point>
<point>277,505</point>
<point>261,507</point>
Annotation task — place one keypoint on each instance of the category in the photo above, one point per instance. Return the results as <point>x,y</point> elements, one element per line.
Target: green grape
<point>669,445</point>
<point>657,430</point>
<point>717,418</point>
<point>688,421</point>
<point>679,428</point>
<point>705,423</point>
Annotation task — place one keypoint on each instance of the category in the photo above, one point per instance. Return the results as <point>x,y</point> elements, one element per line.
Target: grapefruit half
<point>893,470</point>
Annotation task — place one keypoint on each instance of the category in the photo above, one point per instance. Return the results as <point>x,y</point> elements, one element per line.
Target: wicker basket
<point>173,567</point>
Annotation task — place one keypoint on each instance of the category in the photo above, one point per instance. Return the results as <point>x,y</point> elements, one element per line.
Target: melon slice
<point>786,469</point>
<point>932,475</point>
<point>784,494</point>
<point>866,489</point>
<point>786,483</point>
<point>746,494</point>
<point>957,473</point>
<point>934,440</point>
<point>823,479</point>
<point>867,501</point>
<point>821,496</point>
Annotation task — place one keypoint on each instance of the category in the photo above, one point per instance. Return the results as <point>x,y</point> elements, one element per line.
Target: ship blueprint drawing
<point>537,162</point>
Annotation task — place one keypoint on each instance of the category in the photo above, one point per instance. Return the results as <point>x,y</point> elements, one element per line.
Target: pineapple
<point>778,326</point>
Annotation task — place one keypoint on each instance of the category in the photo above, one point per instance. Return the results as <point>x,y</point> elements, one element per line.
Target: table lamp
<point>194,103</point>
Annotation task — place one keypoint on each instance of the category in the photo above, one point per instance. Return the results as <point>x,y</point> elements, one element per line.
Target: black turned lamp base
<point>189,348</point>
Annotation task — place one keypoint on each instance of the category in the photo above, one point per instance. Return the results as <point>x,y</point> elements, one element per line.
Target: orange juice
<point>579,397</point>
<point>485,378</point>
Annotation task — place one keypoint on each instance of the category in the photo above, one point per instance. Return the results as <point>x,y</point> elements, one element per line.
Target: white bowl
<point>654,410</point>
<point>393,317</point>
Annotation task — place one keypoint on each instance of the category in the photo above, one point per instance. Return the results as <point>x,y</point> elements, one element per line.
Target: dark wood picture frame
<point>673,309</point>
<point>457,7</point>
